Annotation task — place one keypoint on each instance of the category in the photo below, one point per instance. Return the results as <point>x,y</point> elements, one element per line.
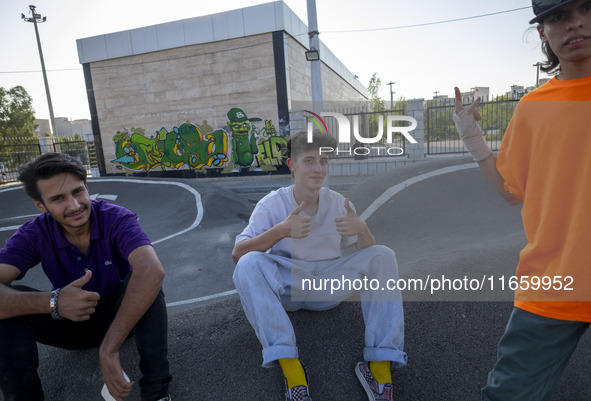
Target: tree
<point>17,117</point>
<point>374,88</point>
<point>402,104</point>
<point>376,104</point>
<point>74,146</point>
<point>496,116</point>
<point>439,122</point>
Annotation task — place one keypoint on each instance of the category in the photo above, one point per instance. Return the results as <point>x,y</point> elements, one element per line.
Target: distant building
<point>443,100</point>
<point>65,127</point>
<point>517,92</point>
<point>68,128</point>
<point>476,92</point>
<point>43,127</point>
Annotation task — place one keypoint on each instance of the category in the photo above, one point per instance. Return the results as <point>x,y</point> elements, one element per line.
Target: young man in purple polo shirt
<point>88,250</point>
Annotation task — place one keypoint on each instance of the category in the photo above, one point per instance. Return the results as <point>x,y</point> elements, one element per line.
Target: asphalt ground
<point>440,222</point>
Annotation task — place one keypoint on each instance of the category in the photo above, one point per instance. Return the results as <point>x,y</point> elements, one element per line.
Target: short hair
<point>46,166</point>
<point>298,143</point>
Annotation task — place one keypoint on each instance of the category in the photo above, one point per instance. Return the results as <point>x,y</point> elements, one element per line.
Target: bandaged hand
<point>470,132</point>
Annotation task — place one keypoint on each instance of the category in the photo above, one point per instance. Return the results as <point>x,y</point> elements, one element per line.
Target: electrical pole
<point>435,97</point>
<point>391,95</point>
<point>36,18</point>
<point>315,65</point>
<point>537,65</point>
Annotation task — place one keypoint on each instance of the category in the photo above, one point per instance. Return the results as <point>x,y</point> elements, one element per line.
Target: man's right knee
<point>246,265</point>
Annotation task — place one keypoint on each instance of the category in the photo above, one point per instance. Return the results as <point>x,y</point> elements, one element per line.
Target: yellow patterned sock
<point>293,372</point>
<point>381,371</point>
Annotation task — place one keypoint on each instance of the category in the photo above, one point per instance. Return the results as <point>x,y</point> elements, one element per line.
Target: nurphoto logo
<point>344,133</point>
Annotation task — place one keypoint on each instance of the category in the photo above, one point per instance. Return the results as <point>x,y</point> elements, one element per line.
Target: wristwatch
<point>53,303</point>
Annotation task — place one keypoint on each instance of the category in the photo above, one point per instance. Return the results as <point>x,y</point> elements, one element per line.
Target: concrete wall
<point>68,128</point>
<point>189,84</point>
<point>334,87</point>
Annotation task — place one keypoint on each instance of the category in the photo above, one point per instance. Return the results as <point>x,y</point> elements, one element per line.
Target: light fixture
<point>312,55</point>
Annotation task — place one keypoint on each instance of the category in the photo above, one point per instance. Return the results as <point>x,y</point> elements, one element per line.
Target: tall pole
<point>34,19</point>
<point>537,65</point>
<point>391,95</point>
<point>315,65</point>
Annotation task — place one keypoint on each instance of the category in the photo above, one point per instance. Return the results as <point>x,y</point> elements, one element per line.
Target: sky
<point>495,51</point>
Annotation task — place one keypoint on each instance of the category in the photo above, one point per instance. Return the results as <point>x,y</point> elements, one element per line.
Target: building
<point>65,127</point>
<point>517,91</point>
<point>443,100</point>
<point>69,128</point>
<point>481,92</point>
<point>43,127</point>
<point>216,93</point>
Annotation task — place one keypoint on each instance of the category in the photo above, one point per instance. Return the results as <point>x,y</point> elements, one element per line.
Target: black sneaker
<point>298,393</point>
<point>374,390</point>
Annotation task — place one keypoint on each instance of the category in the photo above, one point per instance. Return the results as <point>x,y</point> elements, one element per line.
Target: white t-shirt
<point>323,242</point>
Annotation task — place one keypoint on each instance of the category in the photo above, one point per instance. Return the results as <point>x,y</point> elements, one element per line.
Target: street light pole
<point>391,95</point>
<point>36,18</point>
<point>315,64</point>
<point>537,65</point>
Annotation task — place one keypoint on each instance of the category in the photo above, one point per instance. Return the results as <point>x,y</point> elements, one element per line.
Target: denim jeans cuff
<point>274,352</point>
<point>396,356</point>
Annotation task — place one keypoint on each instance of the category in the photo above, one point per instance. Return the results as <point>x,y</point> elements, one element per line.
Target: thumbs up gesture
<point>77,304</point>
<point>299,225</point>
<point>350,224</point>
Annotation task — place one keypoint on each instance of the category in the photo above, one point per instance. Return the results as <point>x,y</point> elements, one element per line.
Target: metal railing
<point>368,125</point>
<point>14,153</point>
<point>441,135</point>
<point>74,148</point>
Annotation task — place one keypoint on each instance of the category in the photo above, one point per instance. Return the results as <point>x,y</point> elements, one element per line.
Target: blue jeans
<point>268,285</point>
<point>19,358</point>
<point>533,353</point>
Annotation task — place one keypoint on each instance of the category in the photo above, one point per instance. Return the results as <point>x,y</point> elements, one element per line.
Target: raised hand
<point>77,304</point>
<point>470,132</point>
<point>461,110</point>
<point>350,224</point>
<point>299,225</point>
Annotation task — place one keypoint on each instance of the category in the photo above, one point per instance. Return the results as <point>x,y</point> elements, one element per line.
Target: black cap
<point>544,7</point>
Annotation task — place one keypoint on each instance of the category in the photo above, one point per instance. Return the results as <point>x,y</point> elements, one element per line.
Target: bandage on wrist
<point>471,135</point>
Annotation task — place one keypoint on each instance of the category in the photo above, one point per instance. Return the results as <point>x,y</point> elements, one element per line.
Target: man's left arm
<point>350,224</point>
<point>143,287</point>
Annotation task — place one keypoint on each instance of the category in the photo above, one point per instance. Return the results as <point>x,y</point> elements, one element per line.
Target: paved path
<point>441,223</point>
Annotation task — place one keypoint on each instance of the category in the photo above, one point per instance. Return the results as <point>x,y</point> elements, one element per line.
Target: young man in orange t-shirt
<point>544,162</point>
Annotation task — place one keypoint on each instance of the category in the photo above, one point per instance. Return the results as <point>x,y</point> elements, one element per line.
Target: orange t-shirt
<point>545,161</point>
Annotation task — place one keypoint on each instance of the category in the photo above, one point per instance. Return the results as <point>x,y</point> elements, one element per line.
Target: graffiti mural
<point>244,144</point>
<point>272,152</point>
<point>184,145</point>
<point>238,147</point>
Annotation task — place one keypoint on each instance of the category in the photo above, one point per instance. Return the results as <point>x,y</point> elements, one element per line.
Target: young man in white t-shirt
<point>291,247</point>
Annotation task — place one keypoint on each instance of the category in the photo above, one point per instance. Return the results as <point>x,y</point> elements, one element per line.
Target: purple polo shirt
<point>114,234</point>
